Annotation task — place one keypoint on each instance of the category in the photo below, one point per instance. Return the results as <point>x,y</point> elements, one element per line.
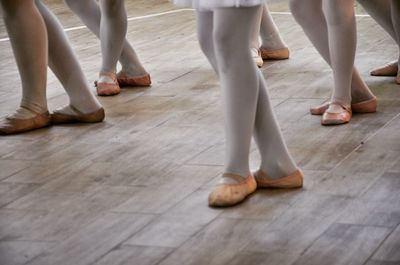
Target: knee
<point>338,11</point>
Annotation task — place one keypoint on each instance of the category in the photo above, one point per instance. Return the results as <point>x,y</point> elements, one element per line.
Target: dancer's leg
<point>275,158</point>
<point>396,25</point>
<point>380,11</point>
<point>255,39</point>
<point>89,12</point>
<point>28,36</point>
<point>270,37</point>
<point>113,28</point>
<point>239,82</point>
<point>309,15</point>
<point>342,46</point>
<point>205,26</point>
<point>65,66</point>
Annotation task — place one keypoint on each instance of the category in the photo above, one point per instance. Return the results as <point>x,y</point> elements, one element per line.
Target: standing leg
<point>342,47</point>
<point>113,26</point>
<point>65,66</point>
<point>239,83</point>
<point>28,37</point>
<point>272,47</point>
<point>310,16</point>
<point>89,12</point>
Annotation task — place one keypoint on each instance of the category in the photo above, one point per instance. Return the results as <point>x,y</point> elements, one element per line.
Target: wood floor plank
<point>94,240</point>
<point>389,250</point>
<point>133,189</point>
<point>134,255</point>
<point>20,252</point>
<point>344,244</point>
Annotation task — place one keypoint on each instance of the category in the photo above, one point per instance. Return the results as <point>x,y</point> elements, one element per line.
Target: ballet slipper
<point>12,125</point>
<point>333,118</point>
<point>294,180</point>
<point>125,80</point>
<point>256,54</point>
<point>366,106</point>
<point>107,89</point>
<point>389,69</point>
<point>225,195</point>
<point>279,54</point>
<point>57,117</point>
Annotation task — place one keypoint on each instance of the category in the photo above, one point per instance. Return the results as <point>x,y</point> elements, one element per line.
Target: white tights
<point>224,36</point>
<point>91,15</point>
<point>266,27</point>
<point>387,14</point>
<point>330,25</point>
<point>38,40</point>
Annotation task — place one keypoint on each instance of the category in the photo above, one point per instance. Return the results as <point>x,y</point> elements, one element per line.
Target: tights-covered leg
<point>309,14</point>
<point>65,66</point>
<point>270,37</point>
<point>246,105</point>
<point>89,12</point>
<point>396,25</point>
<point>28,36</point>
<point>113,26</point>
<point>381,11</point>
<point>342,46</point>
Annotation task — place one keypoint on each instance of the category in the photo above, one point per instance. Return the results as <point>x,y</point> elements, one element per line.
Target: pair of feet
<point>110,83</point>
<point>225,195</point>
<point>334,113</point>
<point>23,119</point>
<point>390,69</point>
<point>263,54</point>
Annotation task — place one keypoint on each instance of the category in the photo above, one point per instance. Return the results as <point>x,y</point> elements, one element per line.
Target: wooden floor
<point>133,190</point>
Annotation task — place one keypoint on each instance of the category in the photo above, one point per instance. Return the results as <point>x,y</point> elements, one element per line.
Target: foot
<point>390,69</point>
<point>336,114</point>
<point>231,193</point>
<point>294,180</point>
<point>126,79</point>
<point>256,55</point>
<point>107,85</point>
<point>23,120</point>
<point>69,114</point>
<point>278,54</point>
<point>366,106</point>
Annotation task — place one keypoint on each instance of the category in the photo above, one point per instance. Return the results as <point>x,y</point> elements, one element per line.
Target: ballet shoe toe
<point>337,118</point>
<point>225,195</point>
<point>105,88</point>
<point>11,125</point>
